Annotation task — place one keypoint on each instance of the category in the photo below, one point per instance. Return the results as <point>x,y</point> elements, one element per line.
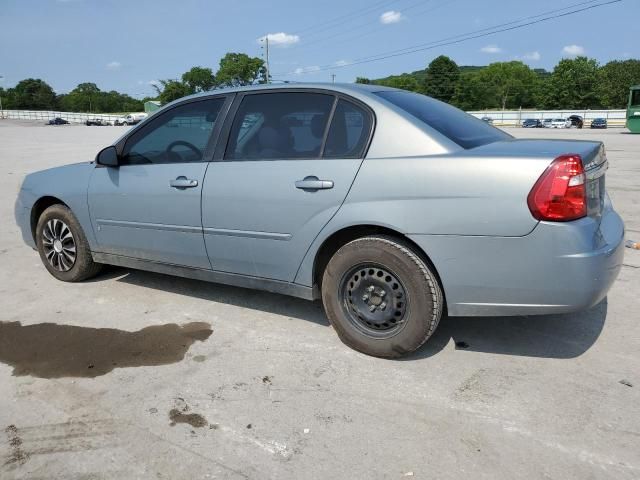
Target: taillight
<point>560,193</point>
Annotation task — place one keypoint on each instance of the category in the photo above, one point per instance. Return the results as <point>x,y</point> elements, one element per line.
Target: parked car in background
<point>120,121</point>
<point>547,123</point>
<point>134,118</point>
<point>576,121</point>
<point>57,121</point>
<point>488,120</point>
<point>381,202</point>
<point>560,123</point>
<point>532,123</point>
<point>599,123</point>
<point>99,122</point>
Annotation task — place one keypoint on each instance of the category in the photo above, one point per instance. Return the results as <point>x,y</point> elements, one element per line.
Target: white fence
<point>45,116</point>
<point>514,118</point>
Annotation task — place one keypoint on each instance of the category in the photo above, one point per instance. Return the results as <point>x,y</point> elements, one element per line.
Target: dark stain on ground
<point>17,455</point>
<point>266,379</point>
<point>49,350</point>
<point>462,345</point>
<point>199,358</point>
<point>194,419</point>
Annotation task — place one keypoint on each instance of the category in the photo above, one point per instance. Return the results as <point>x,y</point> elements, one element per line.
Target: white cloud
<point>533,56</point>
<point>113,65</point>
<point>311,69</point>
<point>341,63</point>
<point>573,50</point>
<point>280,39</point>
<point>491,49</point>
<point>391,17</point>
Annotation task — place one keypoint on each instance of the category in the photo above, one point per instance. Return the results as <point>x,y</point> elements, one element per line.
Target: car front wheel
<point>63,247</point>
<point>381,297</point>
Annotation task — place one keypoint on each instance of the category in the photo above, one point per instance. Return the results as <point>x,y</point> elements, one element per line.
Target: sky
<point>126,45</point>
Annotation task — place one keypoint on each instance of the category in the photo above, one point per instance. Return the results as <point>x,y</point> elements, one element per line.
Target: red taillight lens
<point>560,193</point>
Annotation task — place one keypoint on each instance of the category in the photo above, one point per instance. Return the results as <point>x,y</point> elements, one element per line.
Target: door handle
<point>183,182</point>
<point>314,183</point>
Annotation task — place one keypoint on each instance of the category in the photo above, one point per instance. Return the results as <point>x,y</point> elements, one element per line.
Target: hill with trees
<point>579,83</point>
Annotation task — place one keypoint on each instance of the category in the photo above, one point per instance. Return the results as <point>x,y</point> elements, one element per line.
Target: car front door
<point>149,206</point>
<point>289,161</point>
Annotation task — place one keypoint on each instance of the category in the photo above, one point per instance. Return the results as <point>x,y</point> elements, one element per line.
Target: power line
<point>466,36</point>
<point>346,17</point>
<point>368,23</point>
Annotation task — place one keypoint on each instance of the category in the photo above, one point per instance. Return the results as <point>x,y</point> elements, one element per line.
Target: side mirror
<point>108,157</point>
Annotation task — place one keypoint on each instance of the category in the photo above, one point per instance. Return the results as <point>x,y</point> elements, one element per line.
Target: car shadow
<point>545,336</point>
<point>236,296</point>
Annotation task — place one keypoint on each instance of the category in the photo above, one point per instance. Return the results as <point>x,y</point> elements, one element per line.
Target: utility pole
<point>333,78</point>
<point>265,39</point>
<point>1,111</point>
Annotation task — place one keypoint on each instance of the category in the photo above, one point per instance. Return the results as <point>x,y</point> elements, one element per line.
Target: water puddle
<point>48,350</point>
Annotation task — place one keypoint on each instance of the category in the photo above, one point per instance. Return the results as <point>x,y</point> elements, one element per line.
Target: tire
<point>381,297</point>
<point>69,260</point>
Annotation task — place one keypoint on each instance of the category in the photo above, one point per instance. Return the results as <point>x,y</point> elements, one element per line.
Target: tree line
<point>578,83</point>
<point>235,69</point>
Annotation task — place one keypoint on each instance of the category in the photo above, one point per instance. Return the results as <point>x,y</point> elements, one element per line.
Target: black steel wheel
<point>381,296</point>
<point>374,299</point>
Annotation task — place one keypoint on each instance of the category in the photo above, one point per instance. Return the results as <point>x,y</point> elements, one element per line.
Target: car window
<point>279,126</point>
<point>176,136</point>
<point>349,131</point>
<point>458,126</point>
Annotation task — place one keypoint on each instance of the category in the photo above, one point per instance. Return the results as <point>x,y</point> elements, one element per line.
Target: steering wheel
<point>182,143</point>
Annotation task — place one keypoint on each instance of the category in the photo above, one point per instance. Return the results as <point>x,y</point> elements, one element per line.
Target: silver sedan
<point>393,208</point>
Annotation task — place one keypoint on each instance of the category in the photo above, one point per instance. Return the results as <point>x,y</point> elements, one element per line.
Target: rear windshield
<point>458,126</point>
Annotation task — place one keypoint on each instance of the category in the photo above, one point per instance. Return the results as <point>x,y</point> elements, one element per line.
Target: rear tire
<point>381,297</point>
<point>63,247</point>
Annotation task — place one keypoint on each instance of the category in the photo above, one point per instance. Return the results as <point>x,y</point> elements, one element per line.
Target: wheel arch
<point>40,206</point>
<point>345,235</point>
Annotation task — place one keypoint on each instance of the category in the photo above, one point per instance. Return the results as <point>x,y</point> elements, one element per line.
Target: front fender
<point>68,184</point>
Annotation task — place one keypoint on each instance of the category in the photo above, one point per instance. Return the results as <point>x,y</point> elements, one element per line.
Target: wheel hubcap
<point>375,300</point>
<point>59,245</point>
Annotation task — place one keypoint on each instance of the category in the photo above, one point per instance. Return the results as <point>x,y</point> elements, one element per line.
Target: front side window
<point>279,126</point>
<point>177,136</point>
<point>635,98</point>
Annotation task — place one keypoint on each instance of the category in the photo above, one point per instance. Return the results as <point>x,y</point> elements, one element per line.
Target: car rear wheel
<point>63,247</point>
<point>381,297</point>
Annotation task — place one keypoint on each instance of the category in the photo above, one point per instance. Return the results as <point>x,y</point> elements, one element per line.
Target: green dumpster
<point>633,110</point>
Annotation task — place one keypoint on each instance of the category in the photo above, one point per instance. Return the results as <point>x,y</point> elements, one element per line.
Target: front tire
<point>381,297</point>
<point>63,247</point>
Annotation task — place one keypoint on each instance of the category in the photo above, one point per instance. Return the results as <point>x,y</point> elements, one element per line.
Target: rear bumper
<point>557,268</point>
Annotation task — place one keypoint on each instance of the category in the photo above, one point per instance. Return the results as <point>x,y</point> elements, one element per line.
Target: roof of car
<point>338,87</point>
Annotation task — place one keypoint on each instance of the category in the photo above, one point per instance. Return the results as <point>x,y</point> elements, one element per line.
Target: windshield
<point>458,126</point>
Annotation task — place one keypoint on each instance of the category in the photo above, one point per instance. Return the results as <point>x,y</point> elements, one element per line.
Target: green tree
<point>237,69</point>
<point>614,80</point>
<point>199,79</point>
<point>573,84</point>
<point>31,94</point>
<point>441,78</point>
<point>363,80</point>
<point>406,81</point>
<point>170,90</point>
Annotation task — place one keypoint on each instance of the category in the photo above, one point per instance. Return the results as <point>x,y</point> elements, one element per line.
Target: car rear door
<point>286,167</point>
<point>149,207</point>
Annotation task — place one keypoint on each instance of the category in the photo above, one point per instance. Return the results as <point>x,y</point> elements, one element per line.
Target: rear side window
<point>176,136</point>
<point>279,126</point>
<point>458,126</point>
<point>349,131</point>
